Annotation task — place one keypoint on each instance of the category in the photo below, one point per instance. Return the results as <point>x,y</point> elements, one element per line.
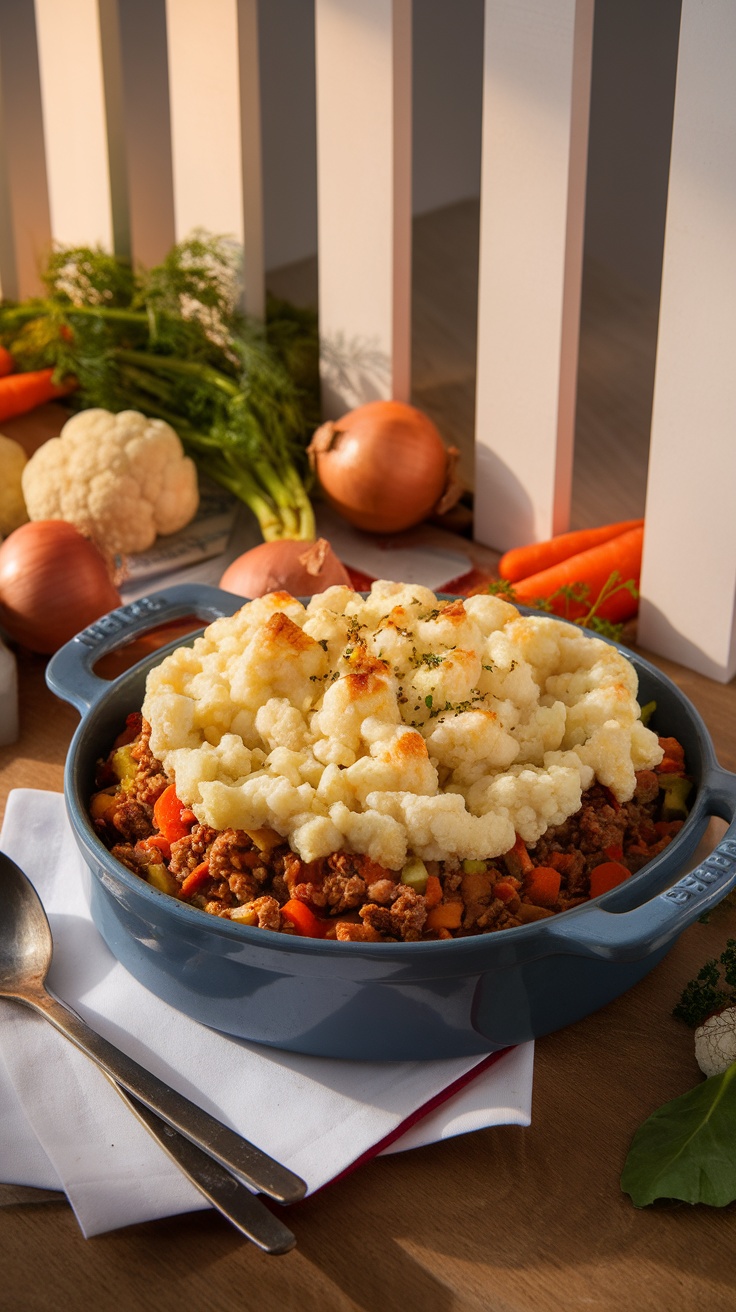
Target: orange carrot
<point>7,363</point>
<point>433,891</point>
<point>521,562</point>
<point>170,817</point>
<point>621,555</point>
<point>158,844</point>
<point>505,891</point>
<point>303,919</point>
<point>517,860</point>
<point>543,886</point>
<point>195,879</point>
<point>448,915</point>
<point>673,761</point>
<point>668,828</point>
<point>20,393</point>
<point>606,876</point>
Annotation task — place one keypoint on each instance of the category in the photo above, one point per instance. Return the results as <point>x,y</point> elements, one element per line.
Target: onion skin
<point>53,583</point>
<point>285,565</point>
<point>384,466</point>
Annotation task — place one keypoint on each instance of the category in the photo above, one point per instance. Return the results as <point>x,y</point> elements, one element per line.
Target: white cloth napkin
<point>63,1126</point>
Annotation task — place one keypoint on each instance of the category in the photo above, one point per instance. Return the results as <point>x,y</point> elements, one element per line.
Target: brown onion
<point>53,583</point>
<point>384,466</point>
<point>287,565</point>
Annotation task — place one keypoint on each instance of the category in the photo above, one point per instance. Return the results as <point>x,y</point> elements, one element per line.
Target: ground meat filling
<point>403,919</point>
<point>252,876</point>
<point>132,819</point>
<point>188,852</point>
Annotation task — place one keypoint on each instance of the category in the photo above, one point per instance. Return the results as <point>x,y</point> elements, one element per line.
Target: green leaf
<point>687,1148</point>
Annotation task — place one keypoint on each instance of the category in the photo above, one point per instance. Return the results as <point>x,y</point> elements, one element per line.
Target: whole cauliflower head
<point>123,478</point>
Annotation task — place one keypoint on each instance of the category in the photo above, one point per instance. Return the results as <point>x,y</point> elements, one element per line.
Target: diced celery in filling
<point>474,867</point>
<point>676,789</point>
<point>647,711</point>
<point>415,874</point>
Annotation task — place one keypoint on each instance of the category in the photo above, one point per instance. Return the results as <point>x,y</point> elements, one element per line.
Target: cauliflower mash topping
<point>396,724</point>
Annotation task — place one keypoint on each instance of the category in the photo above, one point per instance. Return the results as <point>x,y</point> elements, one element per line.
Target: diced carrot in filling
<point>303,919</point>
<point>433,891</point>
<point>517,860</point>
<point>608,875</point>
<point>505,890</point>
<point>195,878</point>
<point>448,915</point>
<point>543,886</point>
<point>667,828</point>
<point>673,761</point>
<point>159,844</point>
<point>253,877</point>
<point>173,819</point>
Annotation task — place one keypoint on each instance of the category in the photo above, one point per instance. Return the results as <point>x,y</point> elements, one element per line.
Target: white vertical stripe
<point>24,207</point>
<point>363,53</point>
<point>215,127</point>
<point>133,34</point>
<point>70,62</point>
<point>537,66</point>
<point>689,570</point>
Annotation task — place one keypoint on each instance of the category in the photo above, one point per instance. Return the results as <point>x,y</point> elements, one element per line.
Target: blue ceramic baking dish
<point>380,1001</point>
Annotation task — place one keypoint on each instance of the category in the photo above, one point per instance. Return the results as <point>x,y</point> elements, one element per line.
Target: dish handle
<point>69,673</point>
<point>630,935</point>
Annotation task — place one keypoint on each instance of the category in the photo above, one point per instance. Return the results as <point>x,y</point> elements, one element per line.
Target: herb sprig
<point>577,594</point>
<point>172,342</point>
<point>706,993</point>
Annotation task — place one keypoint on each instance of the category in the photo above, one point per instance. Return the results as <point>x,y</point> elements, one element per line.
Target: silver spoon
<point>26,948</point>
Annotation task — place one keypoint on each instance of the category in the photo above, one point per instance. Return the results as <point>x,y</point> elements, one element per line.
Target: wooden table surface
<point>506,1219</point>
